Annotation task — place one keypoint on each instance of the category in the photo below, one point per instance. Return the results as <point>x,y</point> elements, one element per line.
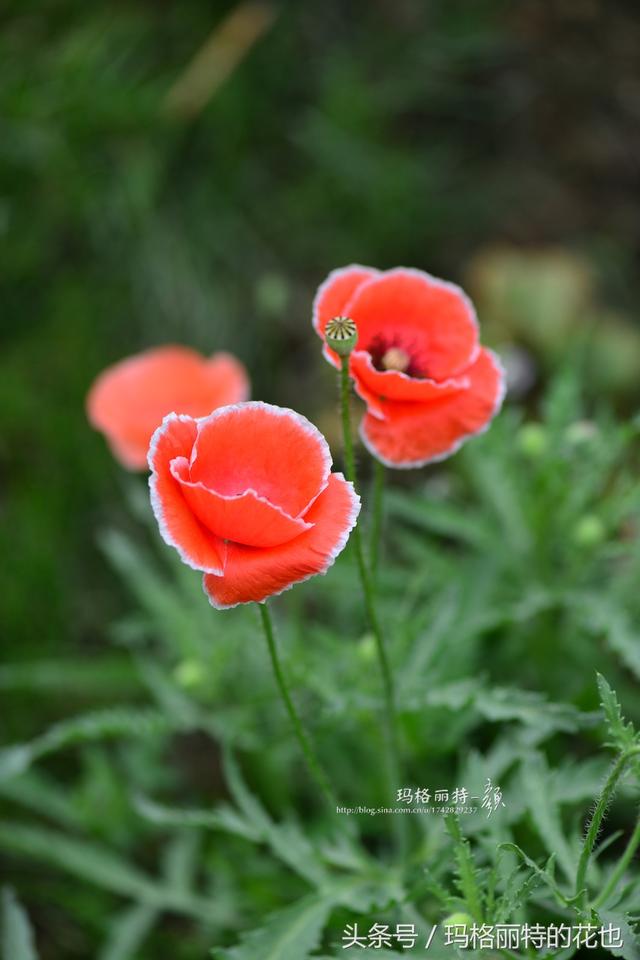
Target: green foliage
<point>17,936</point>
<point>290,934</point>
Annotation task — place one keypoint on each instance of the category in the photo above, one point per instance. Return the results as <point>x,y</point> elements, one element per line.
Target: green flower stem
<point>598,815</point>
<point>623,863</point>
<point>309,754</point>
<point>391,722</point>
<point>378,513</point>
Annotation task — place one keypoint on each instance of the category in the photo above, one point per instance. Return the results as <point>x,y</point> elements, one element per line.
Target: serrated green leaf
<point>622,732</point>
<point>289,934</point>
<point>17,937</point>
<point>467,875</point>
<point>630,949</point>
<point>544,873</point>
<point>531,709</point>
<point>516,892</point>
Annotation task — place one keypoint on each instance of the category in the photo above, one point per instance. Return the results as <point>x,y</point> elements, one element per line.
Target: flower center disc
<point>395,359</point>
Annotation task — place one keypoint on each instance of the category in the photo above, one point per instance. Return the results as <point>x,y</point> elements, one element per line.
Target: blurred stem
<point>378,513</point>
<point>623,863</point>
<point>391,722</point>
<point>598,815</point>
<point>313,763</point>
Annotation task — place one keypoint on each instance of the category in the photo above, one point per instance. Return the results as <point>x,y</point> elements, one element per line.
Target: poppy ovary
<point>395,358</point>
<point>341,335</point>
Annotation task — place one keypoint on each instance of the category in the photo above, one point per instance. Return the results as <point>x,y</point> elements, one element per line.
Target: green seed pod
<point>341,335</point>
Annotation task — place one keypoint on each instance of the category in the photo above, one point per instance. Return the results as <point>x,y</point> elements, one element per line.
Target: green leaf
<point>544,811</point>
<point>630,949</point>
<point>222,818</point>
<point>440,517</point>
<point>127,933</point>
<point>622,733</point>
<point>545,873</point>
<point>289,934</point>
<point>105,724</point>
<point>467,879</point>
<point>531,709</point>
<point>41,794</point>
<point>287,841</point>
<point>106,677</point>
<point>94,864</point>
<point>17,937</point>
<point>516,893</point>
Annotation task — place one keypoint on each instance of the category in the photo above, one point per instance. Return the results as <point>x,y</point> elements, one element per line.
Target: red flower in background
<point>247,495</point>
<point>418,365</point>
<point>128,401</point>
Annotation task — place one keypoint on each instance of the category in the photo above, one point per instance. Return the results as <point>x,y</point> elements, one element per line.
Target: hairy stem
<point>391,723</point>
<point>623,863</point>
<point>313,763</point>
<point>598,815</point>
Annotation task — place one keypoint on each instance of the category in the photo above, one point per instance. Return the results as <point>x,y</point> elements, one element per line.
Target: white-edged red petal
<point>244,518</point>
<point>179,527</point>
<point>413,434</point>
<point>254,574</point>
<point>273,451</point>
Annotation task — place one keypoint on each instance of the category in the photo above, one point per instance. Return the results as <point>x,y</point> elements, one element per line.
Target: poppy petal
<point>432,317</point>
<point>128,400</point>
<point>273,451</point>
<point>333,296</point>
<point>414,434</point>
<point>253,575</point>
<point>227,379</point>
<point>377,386</point>
<point>245,518</point>
<point>197,546</point>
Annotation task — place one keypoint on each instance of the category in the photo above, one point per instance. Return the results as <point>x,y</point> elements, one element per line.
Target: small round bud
<point>341,335</point>
<point>189,674</point>
<point>367,648</point>
<point>532,440</point>
<point>589,531</point>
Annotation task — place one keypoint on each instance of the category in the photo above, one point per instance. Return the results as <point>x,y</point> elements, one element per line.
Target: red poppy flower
<point>128,400</point>
<point>427,383</point>
<point>247,495</point>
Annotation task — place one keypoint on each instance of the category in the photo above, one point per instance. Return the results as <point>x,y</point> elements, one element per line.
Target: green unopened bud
<point>341,335</point>
<point>458,920</point>
<point>589,531</point>
<point>189,674</point>
<point>532,440</point>
<point>367,648</point>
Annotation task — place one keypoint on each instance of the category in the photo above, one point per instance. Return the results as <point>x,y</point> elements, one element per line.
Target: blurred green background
<point>169,174</point>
